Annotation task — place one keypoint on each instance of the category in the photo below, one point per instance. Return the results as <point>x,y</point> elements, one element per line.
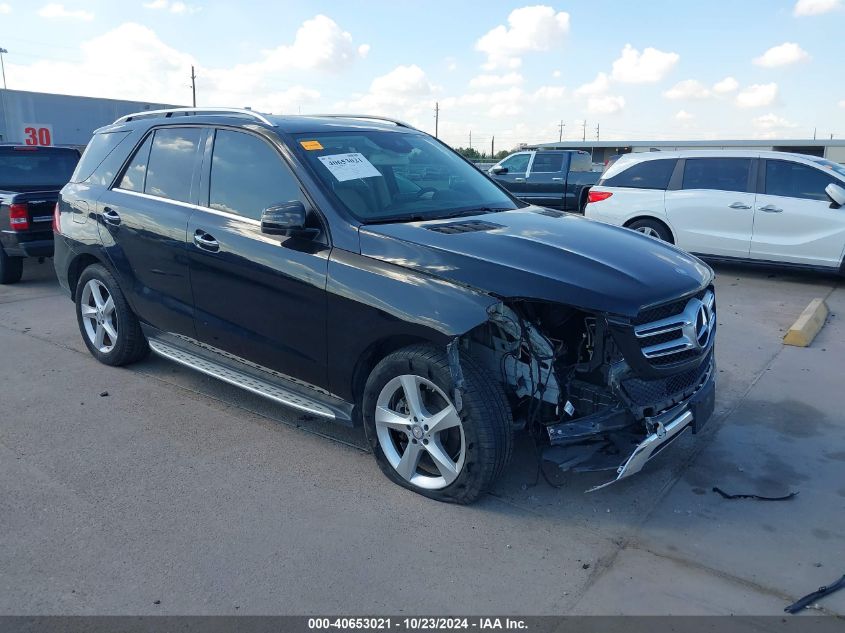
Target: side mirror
<point>286,218</point>
<point>498,169</point>
<point>836,193</point>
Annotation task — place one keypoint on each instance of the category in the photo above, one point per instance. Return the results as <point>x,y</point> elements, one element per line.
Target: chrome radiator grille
<point>679,336</point>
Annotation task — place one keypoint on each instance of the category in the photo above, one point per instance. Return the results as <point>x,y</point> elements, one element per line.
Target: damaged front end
<point>601,392</point>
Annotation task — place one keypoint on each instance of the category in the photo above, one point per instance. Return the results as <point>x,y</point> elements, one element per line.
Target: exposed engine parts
<point>583,386</point>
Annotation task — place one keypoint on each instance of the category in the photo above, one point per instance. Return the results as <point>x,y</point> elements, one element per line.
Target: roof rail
<point>189,111</point>
<point>366,117</point>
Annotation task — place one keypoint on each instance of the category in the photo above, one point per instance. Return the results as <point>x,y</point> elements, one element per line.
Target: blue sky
<point>509,69</point>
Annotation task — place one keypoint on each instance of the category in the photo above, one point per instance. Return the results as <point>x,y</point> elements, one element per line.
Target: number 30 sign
<point>37,134</point>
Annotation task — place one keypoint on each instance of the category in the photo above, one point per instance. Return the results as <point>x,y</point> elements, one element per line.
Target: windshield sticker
<point>349,166</point>
<point>311,145</point>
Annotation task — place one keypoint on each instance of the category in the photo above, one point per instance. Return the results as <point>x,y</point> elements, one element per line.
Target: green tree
<point>469,152</point>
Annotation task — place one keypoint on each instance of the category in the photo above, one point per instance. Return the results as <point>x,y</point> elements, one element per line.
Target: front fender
<point>371,300</point>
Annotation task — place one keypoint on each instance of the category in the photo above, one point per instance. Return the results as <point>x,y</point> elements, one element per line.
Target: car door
<point>143,221</point>
<point>514,179</point>
<point>545,183</point>
<point>793,220</point>
<point>260,297</point>
<point>711,205</point>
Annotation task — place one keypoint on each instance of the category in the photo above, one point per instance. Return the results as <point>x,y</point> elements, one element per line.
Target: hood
<point>536,253</point>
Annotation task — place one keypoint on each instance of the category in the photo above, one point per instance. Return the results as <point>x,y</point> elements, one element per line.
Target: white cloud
<point>58,11</point>
<point>490,81</point>
<point>403,89</point>
<point>599,85</point>
<point>556,74</point>
<point>650,66</point>
<point>131,62</point>
<point>172,7</point>
<point>687,89</point>
<point>728,84</point>
<point>841,104</point>
<point>363,50</point>
<point>783,55</point>
<point>757,96</point>
<point>771,121</point>
<point>607,104</point>
<point>536,28</point>
<point>5,9</point>
<point>815,7</point>
<point>683,115</point>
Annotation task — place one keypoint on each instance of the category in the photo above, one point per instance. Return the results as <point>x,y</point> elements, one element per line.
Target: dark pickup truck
<point>550,178</point>
<point>30,180</point>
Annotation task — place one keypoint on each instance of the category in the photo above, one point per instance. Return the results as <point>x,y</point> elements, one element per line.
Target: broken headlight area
<point>588,406</point>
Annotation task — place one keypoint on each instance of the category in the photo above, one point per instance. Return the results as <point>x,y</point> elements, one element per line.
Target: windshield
<point>35,167</point>
<point>829,164</point>
<point>393,176</point>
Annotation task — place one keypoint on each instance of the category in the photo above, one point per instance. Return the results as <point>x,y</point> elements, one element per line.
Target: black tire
<point>653,228</point>
<point>485,418</point>
<point>11,268</point>
<point>129,345</point>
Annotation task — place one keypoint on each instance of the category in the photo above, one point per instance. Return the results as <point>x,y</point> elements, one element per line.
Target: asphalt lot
<point>178,494</point>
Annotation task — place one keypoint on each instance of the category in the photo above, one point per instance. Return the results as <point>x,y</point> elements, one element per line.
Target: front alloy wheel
<point>419,438</point>
<point>420,432</point>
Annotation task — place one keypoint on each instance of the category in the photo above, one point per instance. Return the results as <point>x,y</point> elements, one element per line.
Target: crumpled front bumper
<point>662,430</point>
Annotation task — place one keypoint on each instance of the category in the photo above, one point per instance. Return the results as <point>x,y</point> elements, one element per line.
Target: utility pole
<point>560,129</point>
<point>492,147</point>
<point>2,66</point>
<point>436,118</point>
<point>470,139</point>
<point>814,134</point>
<point>598,125</point>
<point>194,86</point>
<point>584,132</point>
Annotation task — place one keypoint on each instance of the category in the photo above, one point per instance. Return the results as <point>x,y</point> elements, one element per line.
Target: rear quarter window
<point>649,174</point>
<point>99,147</point>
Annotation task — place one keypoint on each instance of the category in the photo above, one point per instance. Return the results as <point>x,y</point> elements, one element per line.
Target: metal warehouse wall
<point>72,119</point>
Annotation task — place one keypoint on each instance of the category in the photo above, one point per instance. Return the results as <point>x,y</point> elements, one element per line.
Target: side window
<point>517,164</point>
<point>723,174</point>
<point>547,162</point>
<point>581,162</point>
<point>171,165</point>
<point>136,172</point>
<point>248,175</point>
<point>649,174</point>
<point>796,180</point>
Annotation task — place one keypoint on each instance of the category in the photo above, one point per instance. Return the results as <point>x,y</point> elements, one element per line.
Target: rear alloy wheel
<point>11,268</point>
<point>652,228</point>
<point>109,327</point>
<point>419,438</point>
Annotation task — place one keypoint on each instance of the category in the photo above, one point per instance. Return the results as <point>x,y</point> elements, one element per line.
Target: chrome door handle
<point>770,208</point>
<point>557,179</point>
<point>519,179</point>
<point>205,241</point>
<point>740,205</point>
<point>111,216</point>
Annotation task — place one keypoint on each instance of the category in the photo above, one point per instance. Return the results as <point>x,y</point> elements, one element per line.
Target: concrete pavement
<point>180,489</point>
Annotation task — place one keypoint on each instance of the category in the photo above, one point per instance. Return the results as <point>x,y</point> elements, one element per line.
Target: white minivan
<point>769,207</point>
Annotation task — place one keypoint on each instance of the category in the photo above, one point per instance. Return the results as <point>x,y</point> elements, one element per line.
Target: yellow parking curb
<point>804,330</point>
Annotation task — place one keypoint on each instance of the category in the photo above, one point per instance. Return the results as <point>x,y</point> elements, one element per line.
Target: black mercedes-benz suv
<point>317,262</point>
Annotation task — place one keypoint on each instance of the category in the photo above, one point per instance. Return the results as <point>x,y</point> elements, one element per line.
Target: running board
<point>292,396</point>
